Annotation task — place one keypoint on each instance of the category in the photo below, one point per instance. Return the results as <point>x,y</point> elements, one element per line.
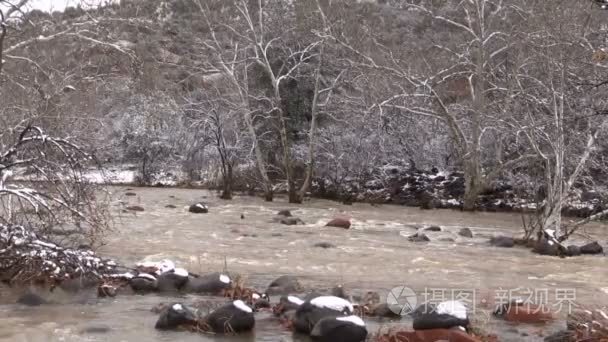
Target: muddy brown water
<point>373,255</point>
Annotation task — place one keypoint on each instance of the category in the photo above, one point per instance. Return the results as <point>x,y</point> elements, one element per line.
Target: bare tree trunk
<point>227,183</point>
<point>2,37</point>
<point>312,132</point>
<point>259,156</point>
<point>474,185</point>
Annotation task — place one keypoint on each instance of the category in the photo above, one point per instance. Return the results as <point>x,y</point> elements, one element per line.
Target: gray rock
<point>284,285</point>
<point>31,299</point>
<point>135,208</point>
<point>419,237</point>
<point>284,212</point>
<point>592,248</point>
<point>170,206</point>
<point>96,329</point>
<point>465,232</point>
<point>198,208</point>
<point>291,221</point>
<point>324,245</point>
<point>433,229</point>
<point>574,250</point>
<point>502,241</point>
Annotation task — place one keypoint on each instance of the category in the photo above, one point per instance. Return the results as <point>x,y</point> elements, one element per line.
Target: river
<point>373,255</point>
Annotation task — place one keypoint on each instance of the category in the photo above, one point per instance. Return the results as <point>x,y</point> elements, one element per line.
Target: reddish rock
<point>432,335</point>
<point>339,223</point>
<point>524,313</point>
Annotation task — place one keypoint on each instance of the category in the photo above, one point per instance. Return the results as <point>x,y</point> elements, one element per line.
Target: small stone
<point>324,245</point>
<point>466,232</point>
<point>198,208</point>
<point>339,223</point>
<point>96,329</point>
<point>135,208</point>
<point>170,206</point>
<point>130,194</point>
<point>433,229</point>
<point>291,221</point>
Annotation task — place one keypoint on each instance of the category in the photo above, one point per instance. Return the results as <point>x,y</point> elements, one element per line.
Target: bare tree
<point>565,108</point>
<point>233,64</point>
<point>43,184</point>
<point>264,41</point>
<point>321,97</point>
<point>461,82</point>
<point>219,120</point>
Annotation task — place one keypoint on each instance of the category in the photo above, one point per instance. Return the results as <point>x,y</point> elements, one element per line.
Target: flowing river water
<point>373,255</point>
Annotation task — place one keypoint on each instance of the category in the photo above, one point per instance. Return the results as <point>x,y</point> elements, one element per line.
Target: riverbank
<point>389,184</point>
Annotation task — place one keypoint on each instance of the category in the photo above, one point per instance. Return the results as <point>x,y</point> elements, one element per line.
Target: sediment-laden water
<point>373,255</point>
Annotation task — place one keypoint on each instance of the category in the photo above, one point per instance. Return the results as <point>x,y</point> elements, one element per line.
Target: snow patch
<point>352,319</point>
<point>452,308</point>
<point>146,276</point>
<point>239,304</point>
<point>181,272</point>
<point>332,302</point>
<point>295,300</point>
<point>224,279</point>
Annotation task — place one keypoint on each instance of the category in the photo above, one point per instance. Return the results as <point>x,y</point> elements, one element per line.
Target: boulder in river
<point>291,221</point>
<point>546,247</point>
<point>284,212</point>
<point>235,317</point>
<point>592,248</point>
<point>314,310</point>
<point>574,250</point>
<point>502,241</point>
<point>465,232</point>
<point>342,328</point>
<point>135,208</point>
<point>214,283</point>
<point>284,285</point>
<point>419,237</point>
<point>433,229</point>
<point>198,208</point>
<point>144,283</point>
<point>176,316</point>
<point>130,194</point>
<point>446,315</point>
<point>339,223</point>
<point>172,280</point>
